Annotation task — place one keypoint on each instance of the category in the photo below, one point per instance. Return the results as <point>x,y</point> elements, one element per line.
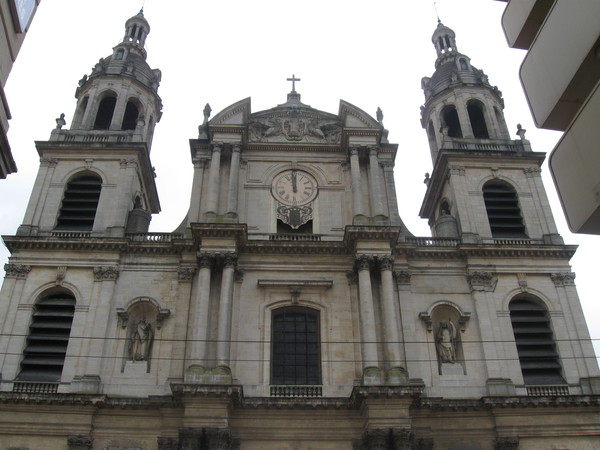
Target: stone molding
<point>19,271</point>
<point>48,162</point>
<point>402,276</point>
<point>106,273</point>
<point>563,279</point>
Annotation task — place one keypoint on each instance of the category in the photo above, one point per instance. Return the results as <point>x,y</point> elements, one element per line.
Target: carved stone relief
<point>294,127</point>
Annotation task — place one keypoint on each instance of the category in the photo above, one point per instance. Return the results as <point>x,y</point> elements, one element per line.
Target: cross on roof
<point>293,80</point>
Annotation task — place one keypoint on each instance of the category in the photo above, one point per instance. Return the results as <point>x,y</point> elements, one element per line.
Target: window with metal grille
<point>79,203</point>
<point>503,211</point>
<point>535,343</point>
<point>295,343</point>
<point>44,354</point>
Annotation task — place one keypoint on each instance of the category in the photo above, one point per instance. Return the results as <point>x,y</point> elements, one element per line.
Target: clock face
<point>294,187</point>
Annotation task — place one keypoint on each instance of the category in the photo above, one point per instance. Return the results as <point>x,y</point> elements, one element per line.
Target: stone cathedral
<point>291,309</point>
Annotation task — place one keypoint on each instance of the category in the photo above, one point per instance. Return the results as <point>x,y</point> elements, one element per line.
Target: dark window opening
<point>284,228</point>
<point>503,211</point>
<point>441,43</point>
<point>120,53</point>
<point>131,116</point>
<point>296,351</point>
<point>46,348</point>
<point>133,31</point>
<point>535,343</point>
<point>450,119</point>
<point>78,209</point>
<point>447,39</point>
<point>139,34</point>
<point>105,113</point>
<point>477,119</point>
<point>463,64</point>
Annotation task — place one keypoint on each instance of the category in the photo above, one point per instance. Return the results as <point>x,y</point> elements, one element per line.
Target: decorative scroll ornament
<point>295,216</point>
<point>563,279</point>
<point>482,281</point>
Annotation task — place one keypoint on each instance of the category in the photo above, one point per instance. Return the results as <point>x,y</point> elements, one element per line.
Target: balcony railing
<point>547,390</point>
<point>91,136</point>
<point>296,391</point>
<point>71,234</point>
<point>154,237</point>
<point>433,242</point>
<point>29,387</point>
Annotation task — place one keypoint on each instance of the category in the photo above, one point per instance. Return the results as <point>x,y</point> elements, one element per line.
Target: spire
<point>136,31</point>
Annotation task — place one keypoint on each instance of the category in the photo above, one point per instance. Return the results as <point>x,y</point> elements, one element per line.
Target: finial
<point>379,115</point>
<point>207,111</point>
<point>436,12</point>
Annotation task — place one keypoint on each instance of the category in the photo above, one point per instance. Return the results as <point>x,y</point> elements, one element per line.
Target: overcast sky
<point>371,54</point>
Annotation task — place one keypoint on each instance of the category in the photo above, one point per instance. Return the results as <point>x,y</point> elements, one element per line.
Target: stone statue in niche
<point>141,341</point>
<point>446,342</point>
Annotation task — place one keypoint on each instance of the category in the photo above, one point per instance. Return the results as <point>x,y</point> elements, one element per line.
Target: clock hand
<point>294,188</point>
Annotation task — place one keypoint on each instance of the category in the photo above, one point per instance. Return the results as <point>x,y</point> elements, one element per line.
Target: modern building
<point>560,75</point>
<point>292,308</point>
<point>15,17</point>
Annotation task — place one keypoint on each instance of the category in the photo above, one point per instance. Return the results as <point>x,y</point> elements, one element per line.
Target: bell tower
<point>96,177</point>
<point>484,185</point>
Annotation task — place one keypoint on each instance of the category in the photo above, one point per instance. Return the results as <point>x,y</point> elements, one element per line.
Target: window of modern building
<point>295,358</point>
<point>535,342</point>
<point>44,354</point>
<point>477,119</point>
<point>80,202</point>
<point>503,211</point>
<point>105,113</point>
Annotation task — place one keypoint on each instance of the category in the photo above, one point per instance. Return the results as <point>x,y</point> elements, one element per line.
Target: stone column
<point>199,312</point>
<point>390,316</point>
<point>183,294</point>
<point>234,174</point>
<point>122,204</point>
<point>199,168</point>
<point>357,206</point>
<point>225,307</point>
<point>390,188</point>
<point>367,314</point>
<point>213,179</point>
<point>375,183</point>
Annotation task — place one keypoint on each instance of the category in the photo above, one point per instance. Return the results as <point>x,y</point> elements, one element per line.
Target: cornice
<point>489,403</point>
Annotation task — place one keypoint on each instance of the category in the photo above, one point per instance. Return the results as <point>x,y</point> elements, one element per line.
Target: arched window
<point>44,354</point>
<point>105,113</point>
<point>463,64</point>
<point>450,119</point>
<point>535,342</point>
<point>295,346</point>
<point>478,125</point>
<point>503,211</point>
<point>78,209</point>
<point>120,53</point>
<point>130,117</point>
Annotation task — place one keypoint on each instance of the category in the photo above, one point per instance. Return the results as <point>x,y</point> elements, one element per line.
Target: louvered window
<point>296,347</point>
<point>503,211</point>
<point>79,204</point>
<point>46,347</point>
<point>535,343</point>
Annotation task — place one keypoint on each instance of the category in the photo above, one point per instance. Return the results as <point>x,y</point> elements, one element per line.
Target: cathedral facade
<point>292,308</point>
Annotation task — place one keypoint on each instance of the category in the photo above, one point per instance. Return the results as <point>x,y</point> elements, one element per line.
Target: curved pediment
<point>236,114</point>
<point>353,117</point>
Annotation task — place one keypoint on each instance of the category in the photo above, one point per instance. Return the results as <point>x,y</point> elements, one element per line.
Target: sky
<point>371,54</point>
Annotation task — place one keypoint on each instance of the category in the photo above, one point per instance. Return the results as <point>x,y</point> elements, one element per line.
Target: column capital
<point>363,262</point>
<point>186,273</point>
<point>106,273</point>
<point>230,260</point>
<point>216,146</point>
<point>48,162</point>
<point>373,151</point>
<point>386,262</point>
<point>236,147</point>
<point>205,260</point>
<point>19,271</point>
<point>353,150</point>
<point>563,279</point>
